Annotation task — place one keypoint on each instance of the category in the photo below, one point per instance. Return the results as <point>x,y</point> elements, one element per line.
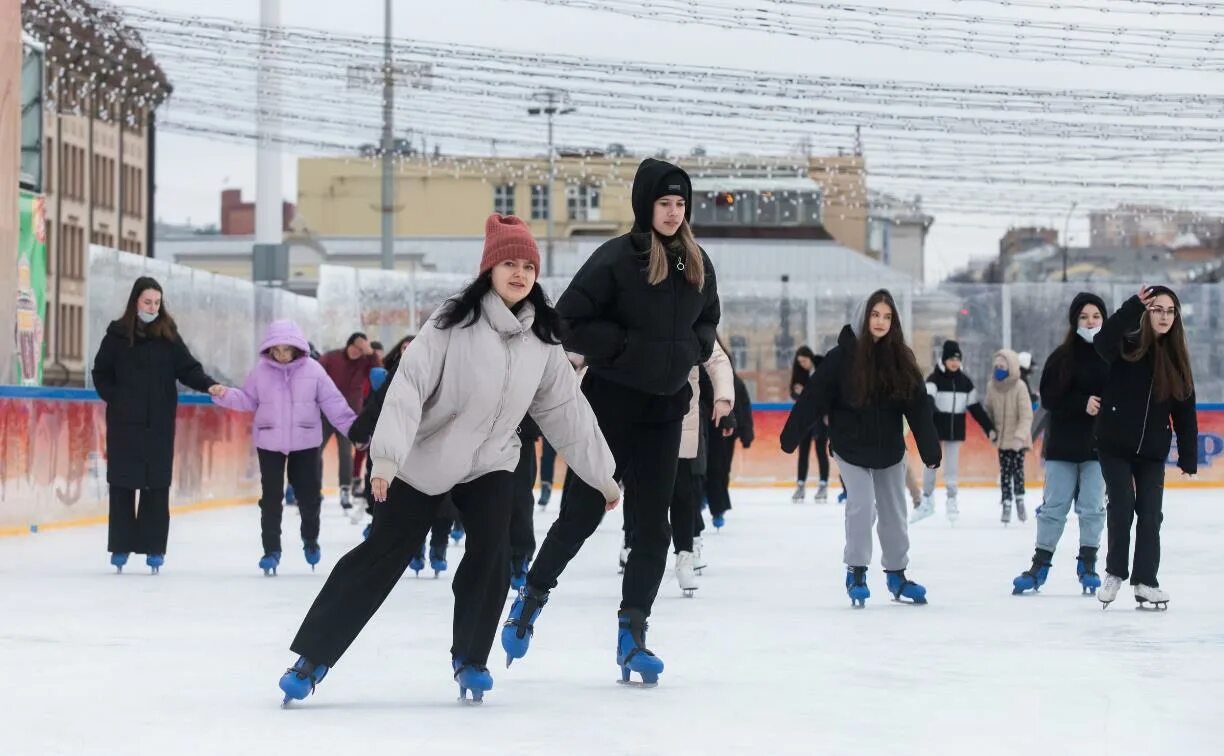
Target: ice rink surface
<point>768,658</point>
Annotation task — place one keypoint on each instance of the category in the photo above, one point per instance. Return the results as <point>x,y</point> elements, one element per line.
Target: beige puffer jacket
<point>1009,406</point>
<point>721,375</point>
<point>453,405</point>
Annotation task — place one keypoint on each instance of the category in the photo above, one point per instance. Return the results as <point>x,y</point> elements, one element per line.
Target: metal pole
<point>388,186</point>
<point>1065,240</point>
<point>269,215</point>
<point>552,180</point>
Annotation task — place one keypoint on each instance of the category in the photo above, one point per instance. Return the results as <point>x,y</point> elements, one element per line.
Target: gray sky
<point>192,170</point>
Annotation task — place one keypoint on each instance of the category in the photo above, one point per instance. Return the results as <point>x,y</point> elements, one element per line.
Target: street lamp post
<point>553,105</point>
<point>1065,240</point>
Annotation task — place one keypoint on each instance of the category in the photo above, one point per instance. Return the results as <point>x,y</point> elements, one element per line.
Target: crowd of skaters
<point>626,379</point>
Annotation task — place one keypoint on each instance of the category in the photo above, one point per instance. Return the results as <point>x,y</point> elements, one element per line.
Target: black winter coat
<point>953,395</point>
<point>138,383</point>
<point>743,414</point>
<point>871,436</point>
<point>1070,436</point>
<point>631,333</point>
<point>1132,422</point>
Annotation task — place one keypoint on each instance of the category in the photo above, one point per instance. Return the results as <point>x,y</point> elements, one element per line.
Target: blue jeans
<point>1067,482</point>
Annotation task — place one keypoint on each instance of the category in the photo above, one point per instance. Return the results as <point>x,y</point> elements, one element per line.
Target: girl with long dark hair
<point>1150,382</point>
<point>865,386</point>
<point>448,424</point>
<point>643,310</point>
<point>802,369</point>
<point>1072,385</point>
<point>135,372</point>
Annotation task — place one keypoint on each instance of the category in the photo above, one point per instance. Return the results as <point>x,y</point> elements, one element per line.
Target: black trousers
<point>522,516</point>
<point>1136,492</point>
<point>344,448</point>
<point>718,472</point>
<point>822,456</point>
<point>440,530</point>
<point>684,506</point>
<point>548,463</point>
<point>364,577</point>
<point>646,453</point>
<point>305,475</point>
<point>143,531</point>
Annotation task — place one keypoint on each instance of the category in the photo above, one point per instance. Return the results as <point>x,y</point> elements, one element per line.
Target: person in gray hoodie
<point>485,359</point>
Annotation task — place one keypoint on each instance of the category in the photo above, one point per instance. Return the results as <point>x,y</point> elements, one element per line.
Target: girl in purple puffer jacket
<point>287,391</point>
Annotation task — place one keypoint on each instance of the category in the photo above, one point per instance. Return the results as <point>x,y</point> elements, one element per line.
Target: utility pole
<point>1066,241</point>
<point>388,185</point>
<point>553,100</point>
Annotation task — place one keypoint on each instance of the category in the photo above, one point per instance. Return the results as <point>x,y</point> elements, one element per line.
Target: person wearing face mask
<point>642,310</point>
<point>867,386</point>
<point>1011,411</point>
<point>484,359</point>
<point>135,371</point>
<point>289,394</point>
<point>1072,385</point>
<point>1150,383</point>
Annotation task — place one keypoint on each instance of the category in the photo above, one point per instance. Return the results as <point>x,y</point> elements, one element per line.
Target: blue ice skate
<point>269,562</point>
<point>902,588</point>
<point>118,559</point>
<point>719,520</point>
<point>418,562</point>
<point>155,562</point>
<point>520,624</point>
<point>290,497</point>
<point>856,586</point>
<point>313,553</point>
<point>457,532</point>
<point>1085,570</point>
<point>518,572</point>
<point>631,652</point>
<point>300,680</point>
<point>1035,576</point>
<point>841,497</point>
<point>472,678</point>
<point>437,559</point>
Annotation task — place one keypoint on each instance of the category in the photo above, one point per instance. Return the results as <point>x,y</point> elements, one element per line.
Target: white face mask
<point>146,317</point>
<point>1088,334</point>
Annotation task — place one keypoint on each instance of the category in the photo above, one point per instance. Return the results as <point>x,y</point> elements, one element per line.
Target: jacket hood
<point>502,319</point>
<point>1013,365</point>
<point>284,332</point>
<point>647,185</point>
<point>847,339</point>
<point>1077,304</point>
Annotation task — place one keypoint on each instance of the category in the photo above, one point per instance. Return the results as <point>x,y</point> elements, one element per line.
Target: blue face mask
<point>1000,374</point>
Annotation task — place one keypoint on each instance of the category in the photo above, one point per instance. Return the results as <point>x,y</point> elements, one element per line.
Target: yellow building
<point>452,196</point>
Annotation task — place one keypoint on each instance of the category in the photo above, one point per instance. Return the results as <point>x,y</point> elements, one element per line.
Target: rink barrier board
<point>53,458</point>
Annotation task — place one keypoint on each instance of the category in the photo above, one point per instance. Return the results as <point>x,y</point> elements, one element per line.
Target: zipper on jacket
<point>1147,410</point>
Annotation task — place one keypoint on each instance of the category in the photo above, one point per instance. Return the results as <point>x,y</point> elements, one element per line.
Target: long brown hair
<point>1171,374</point>
<point>694,266</point>
<point>162,328</point>
<point>883,370</point>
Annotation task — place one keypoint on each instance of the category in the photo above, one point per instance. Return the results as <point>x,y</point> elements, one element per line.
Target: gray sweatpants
<point>869,492</point>
<point>950,467</point>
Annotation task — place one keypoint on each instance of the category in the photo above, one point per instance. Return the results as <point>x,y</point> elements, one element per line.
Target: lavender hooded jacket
<point>287,399</point>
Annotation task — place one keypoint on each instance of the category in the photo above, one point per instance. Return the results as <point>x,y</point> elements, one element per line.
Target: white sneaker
<point>1148,594</point>
<point>698,563</point>
<point>685,575</point>
<point>952,509</point>
<point>1109,590</point>
<point>924,510</point>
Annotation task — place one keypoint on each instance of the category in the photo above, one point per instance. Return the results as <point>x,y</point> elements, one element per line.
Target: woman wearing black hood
<point>1150,381</point>
<point>1071,389</point>
<point>642,310</point>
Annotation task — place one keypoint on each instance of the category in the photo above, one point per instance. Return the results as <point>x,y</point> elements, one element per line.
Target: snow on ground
<point>769,658</point>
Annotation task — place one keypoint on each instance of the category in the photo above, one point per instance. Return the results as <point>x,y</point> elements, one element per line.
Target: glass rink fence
<point>53,457</point>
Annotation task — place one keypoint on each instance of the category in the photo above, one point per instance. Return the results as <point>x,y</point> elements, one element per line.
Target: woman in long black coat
<point>135,373</point>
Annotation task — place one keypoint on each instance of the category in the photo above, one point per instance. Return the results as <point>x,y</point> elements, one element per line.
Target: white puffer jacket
<point>723,379</point>
<point>453,405</point>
